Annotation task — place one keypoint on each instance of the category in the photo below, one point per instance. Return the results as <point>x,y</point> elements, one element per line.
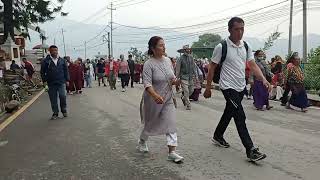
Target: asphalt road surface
<point>98,141</point>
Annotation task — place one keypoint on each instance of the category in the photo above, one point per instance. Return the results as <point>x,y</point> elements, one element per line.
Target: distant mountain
<point>124,38</point>
<point>280,47</point>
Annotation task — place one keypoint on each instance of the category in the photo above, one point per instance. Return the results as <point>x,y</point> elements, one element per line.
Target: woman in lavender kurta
<point>159,110</point>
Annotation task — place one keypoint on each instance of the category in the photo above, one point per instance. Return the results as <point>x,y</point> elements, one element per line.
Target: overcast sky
<point>173,13</point>
<point>176,13</point>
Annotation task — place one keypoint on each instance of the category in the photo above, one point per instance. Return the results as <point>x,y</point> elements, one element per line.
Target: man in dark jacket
<point>14,66</point>
<point>131,67</point>
<point>54,73</point>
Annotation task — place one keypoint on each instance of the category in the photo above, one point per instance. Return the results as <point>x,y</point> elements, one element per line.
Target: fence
<point>312,76</point>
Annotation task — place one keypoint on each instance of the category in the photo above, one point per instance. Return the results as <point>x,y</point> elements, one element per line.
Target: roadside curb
<point>11,118</point>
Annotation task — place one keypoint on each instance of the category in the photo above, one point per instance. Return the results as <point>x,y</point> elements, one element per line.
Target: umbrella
<point>41,46</point>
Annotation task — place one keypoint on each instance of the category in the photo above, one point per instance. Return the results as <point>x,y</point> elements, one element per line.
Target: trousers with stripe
<point>234,110</point>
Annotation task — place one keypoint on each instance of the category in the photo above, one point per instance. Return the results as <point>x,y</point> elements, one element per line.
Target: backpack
<point>217,72</point>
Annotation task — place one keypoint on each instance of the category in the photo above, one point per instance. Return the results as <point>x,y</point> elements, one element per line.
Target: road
<point>98,141</point>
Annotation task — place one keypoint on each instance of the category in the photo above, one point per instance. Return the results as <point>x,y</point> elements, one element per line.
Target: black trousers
<point>132,79</point>
<point>124,79</point>
<point>285,95</point>
<point>234,110</point>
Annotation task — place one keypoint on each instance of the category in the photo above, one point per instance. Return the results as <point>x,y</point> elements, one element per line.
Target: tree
<point>271,39</point>
<point>20,14</point>
<point>137,55</point>
<point>312,70</point>
<point>205,41</point>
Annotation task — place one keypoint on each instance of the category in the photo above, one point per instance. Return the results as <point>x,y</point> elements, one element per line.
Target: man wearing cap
<point>185,71</point>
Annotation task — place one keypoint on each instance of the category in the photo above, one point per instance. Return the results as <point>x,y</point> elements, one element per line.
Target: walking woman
<point>111,71</point>
<point>260,92</point>
<point>295,79</point>
<point>158,110</point>
<point>123,72</point>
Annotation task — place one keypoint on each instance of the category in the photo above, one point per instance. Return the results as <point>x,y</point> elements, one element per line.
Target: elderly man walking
<point>185,72</point>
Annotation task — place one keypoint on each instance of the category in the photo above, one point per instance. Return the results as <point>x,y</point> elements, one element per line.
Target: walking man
<point>54,73</point>
<point>100,71</point>
<point>185,72</point>
<point>234,53</point>
<point>89,72</point>
<point>131,67</point>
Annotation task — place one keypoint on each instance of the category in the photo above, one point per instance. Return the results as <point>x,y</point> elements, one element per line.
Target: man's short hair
<point>24,59</point>
<point>13,61</point>
<point>130,56</point>
<point>233,20</point>
<point>53,46</point>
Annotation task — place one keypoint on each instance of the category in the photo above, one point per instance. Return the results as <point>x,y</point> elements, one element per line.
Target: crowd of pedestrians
<point>234,66</point>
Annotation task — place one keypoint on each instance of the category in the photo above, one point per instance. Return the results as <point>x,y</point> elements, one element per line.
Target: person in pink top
<point>124,72</point>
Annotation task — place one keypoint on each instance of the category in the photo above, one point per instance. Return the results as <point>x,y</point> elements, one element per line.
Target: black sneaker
<point>183,101</point>
<point>254,155</point>
<point>220,142</point>
<point>65,114</point>
<point>54,117</point>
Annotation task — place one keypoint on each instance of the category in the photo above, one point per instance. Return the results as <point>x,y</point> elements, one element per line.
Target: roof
<point>40,46</point>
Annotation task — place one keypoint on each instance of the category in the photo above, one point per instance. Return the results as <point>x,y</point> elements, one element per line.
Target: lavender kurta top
<point>159,118</point>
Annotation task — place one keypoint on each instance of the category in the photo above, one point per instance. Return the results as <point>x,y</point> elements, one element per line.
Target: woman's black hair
<point>257,53</point>
<point>153,43</point>
<point>292,57</point>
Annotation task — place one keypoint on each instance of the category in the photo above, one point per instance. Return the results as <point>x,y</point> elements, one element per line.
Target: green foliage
<point>205,41</point>
<point>30,12</point>
<point>270,41</point>
<point>312,70</point>
<point>137,55</point>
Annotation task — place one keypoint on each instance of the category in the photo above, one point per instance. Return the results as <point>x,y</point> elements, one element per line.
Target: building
<point>11,50</point>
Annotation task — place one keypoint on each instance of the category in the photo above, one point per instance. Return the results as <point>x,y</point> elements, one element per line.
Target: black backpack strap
<point>247,47</point>
<point>224,51</point>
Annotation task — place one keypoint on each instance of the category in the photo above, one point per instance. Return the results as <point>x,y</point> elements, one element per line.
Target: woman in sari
<point>296,79</point>
<point>158,109</point>
<point>260,92</point>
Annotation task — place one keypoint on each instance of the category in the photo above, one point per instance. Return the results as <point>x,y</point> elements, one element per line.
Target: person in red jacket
<point>28,66</point>
<point>111,71</point>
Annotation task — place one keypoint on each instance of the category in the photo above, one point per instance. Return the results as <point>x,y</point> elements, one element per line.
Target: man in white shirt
<point>232,83</point>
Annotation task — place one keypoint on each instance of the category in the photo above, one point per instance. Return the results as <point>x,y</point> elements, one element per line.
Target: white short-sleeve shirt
<point>233,69</point>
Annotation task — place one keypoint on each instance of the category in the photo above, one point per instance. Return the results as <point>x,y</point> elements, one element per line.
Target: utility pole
<point>85,50</point>
<point>305,32</point>
<point>64,44</point>
<point>290,28</point>
<point>54,41</point>
<point>109,44</point>
<point>111,26</point>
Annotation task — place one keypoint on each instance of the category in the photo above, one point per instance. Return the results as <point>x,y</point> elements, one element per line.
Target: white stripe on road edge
<point>10,119</point>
